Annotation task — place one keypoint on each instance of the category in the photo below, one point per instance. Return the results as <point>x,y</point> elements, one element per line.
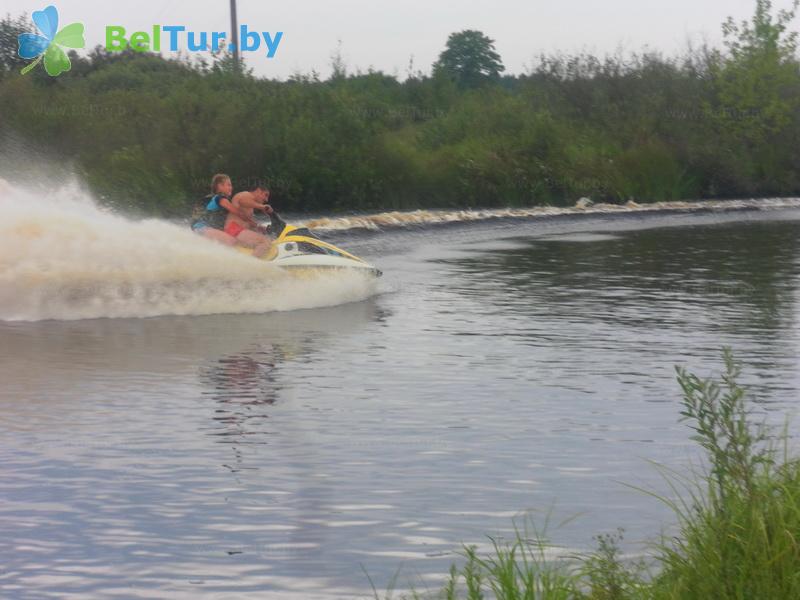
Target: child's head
<point>221,184</point>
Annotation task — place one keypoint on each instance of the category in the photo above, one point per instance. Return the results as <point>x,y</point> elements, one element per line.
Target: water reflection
<point>244,383</point>
<point>720,271</point>
<point>644,300</point>
<point>239,358</point>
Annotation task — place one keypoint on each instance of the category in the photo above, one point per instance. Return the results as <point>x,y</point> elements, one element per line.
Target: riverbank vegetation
<point>738,524</point>
<point>147,133</point>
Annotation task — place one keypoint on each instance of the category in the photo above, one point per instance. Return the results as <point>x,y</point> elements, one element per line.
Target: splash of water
<point>61,257</point>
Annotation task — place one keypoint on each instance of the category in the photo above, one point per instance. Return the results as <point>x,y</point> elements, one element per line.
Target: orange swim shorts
<point>233,229</point>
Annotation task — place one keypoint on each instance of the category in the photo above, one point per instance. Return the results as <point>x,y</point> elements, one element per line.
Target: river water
<point>499,367</point>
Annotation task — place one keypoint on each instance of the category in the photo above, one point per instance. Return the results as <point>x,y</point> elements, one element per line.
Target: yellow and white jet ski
<point>298,249</point>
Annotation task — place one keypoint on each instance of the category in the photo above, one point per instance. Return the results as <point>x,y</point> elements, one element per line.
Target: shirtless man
<point>240,223</point>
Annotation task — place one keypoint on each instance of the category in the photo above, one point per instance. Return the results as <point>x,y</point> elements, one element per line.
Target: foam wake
<point>399,219</point>
<point>61,257</point>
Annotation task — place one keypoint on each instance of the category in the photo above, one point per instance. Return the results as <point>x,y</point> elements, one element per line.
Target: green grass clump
<point>513,571</point>
<point>738,529</point>
<point>740,525</point>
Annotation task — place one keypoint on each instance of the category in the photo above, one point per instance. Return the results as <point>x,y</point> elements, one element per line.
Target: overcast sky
<point>384,35</point>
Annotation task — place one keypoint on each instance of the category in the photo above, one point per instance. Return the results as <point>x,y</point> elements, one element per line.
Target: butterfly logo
<point>50,45</point>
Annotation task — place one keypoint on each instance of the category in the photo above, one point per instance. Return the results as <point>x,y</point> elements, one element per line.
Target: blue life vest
<point>211,213</point>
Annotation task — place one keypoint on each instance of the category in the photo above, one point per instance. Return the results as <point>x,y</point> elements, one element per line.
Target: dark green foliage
<point>148,133</point>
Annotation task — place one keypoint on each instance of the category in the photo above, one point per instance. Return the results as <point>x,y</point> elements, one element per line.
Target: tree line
<point>146,133</point>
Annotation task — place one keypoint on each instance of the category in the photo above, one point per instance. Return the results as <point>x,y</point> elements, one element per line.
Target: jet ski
<point>301,251</point>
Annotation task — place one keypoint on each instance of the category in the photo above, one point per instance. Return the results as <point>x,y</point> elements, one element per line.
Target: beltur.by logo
<point>49,46</point>
<point>143,41</point>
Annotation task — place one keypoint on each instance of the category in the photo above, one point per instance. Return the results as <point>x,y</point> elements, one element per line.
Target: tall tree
<point>470,59</point>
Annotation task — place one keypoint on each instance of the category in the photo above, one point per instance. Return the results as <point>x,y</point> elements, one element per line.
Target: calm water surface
<point>504,367</point>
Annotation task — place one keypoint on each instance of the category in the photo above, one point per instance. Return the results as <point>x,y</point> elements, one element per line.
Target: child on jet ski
<point>210,217</point>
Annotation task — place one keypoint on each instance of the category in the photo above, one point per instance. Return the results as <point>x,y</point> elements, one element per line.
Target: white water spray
<point>63,258</point>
